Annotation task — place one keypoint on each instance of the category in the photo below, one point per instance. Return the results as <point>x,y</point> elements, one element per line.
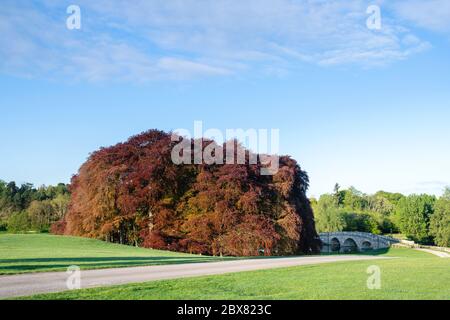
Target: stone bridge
<point>347,242</point>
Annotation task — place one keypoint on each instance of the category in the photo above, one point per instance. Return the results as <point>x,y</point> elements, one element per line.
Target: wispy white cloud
<point>180,66</point>
<point>151,40</point>
<point>429,187</point>
<point>430,14</point>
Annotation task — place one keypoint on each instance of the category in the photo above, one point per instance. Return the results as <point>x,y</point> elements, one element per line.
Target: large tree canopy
<point>413,216</point>
<point>440,220</point>
<point>133,193</point>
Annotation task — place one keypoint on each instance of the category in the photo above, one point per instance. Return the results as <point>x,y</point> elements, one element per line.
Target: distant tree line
<point>422,218</point>
<point>26,208</point>
<point>132,193</point>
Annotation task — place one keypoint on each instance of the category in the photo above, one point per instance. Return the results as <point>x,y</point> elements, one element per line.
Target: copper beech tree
<point>133,193</point>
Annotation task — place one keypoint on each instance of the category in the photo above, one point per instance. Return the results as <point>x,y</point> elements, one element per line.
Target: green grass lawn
<point>411,275</point>
<point>23,253</point>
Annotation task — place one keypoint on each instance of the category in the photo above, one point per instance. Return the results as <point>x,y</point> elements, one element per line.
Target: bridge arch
<point>366,245</point>
<point>350,245</point>
<point>335,245</point>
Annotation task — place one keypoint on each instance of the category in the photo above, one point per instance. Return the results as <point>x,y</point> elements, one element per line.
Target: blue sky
<point>368,108</point>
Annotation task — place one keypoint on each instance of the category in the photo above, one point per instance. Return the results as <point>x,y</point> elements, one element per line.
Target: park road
<point>49,282</point>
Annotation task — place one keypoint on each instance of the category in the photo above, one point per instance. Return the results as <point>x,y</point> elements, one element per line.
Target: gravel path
<point>441,254</point>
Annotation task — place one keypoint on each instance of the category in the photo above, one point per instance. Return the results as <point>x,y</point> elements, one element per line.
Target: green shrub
<point>440,221</point>
<point>362,222</point>
<point>19,222</point>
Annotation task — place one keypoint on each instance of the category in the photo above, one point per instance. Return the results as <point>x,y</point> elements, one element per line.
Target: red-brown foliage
<point>58,227</point>
<point>133,193</point>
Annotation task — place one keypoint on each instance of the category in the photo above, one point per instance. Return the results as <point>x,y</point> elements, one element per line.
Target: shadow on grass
<point>16,266</point>
<point>363,253</point>
<point>376,252</point>
<point>104,259</point>
<point>60,264</point>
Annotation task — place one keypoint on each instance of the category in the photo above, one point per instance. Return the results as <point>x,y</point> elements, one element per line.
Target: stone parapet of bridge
<point>343,242</point>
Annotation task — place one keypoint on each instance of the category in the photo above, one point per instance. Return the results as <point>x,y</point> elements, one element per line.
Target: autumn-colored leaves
<point>133,193</point>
